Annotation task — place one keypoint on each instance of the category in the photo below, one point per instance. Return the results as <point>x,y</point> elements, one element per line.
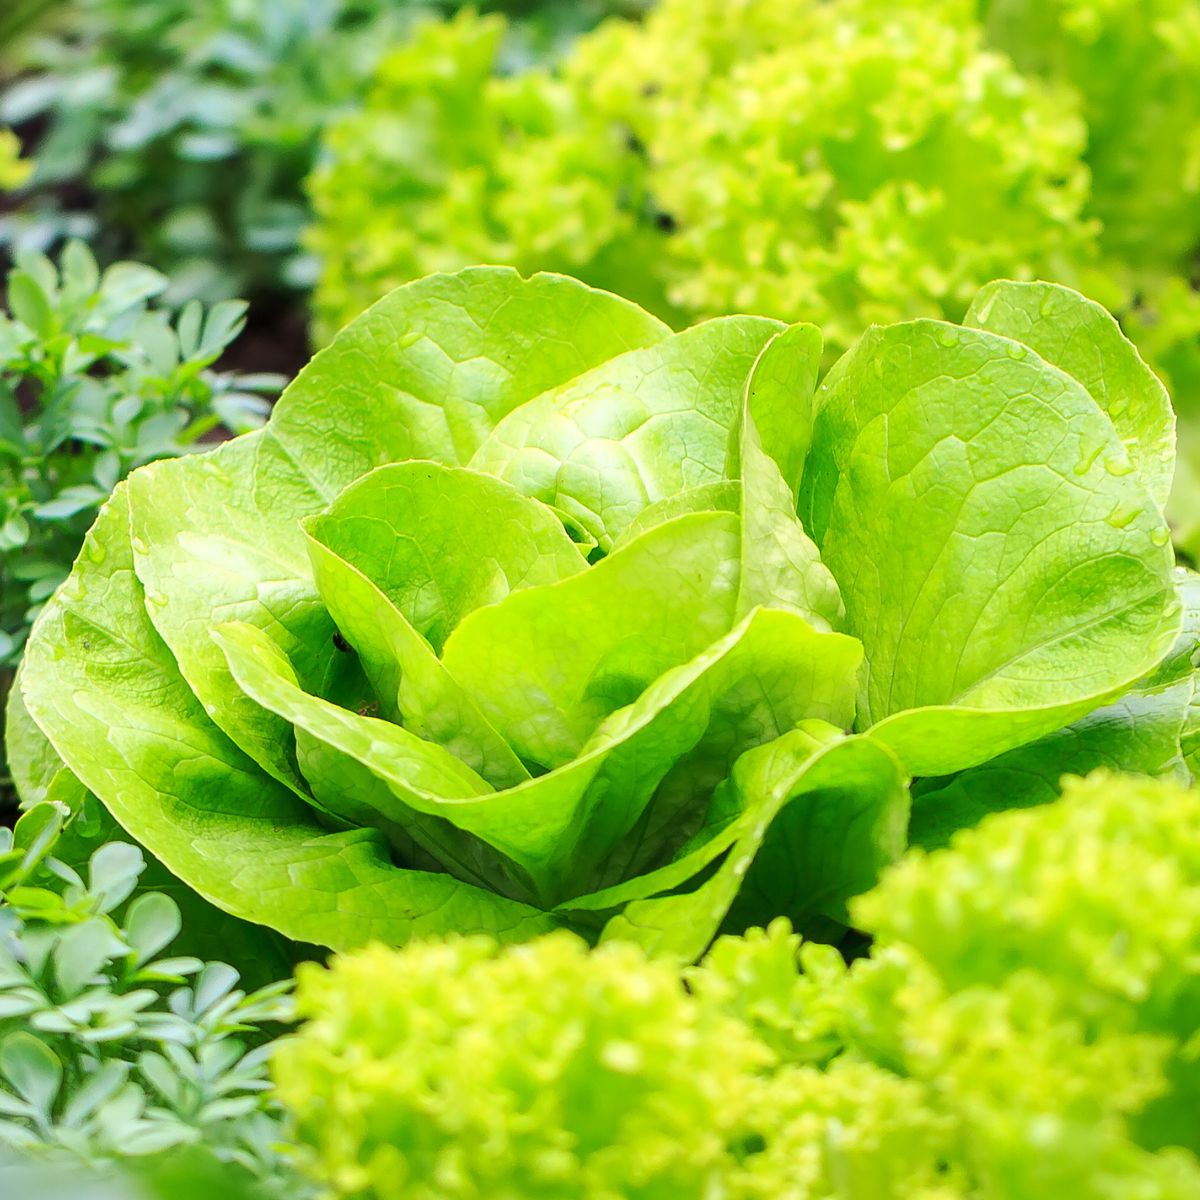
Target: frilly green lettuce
<point>1026,1020</point>
<point>841,163</point>
<point>547,1073</point>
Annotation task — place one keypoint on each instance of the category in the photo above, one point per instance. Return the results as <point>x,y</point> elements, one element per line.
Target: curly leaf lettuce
<point>843,163</point>
<point>507,619</point>
<point>1023,1026</point>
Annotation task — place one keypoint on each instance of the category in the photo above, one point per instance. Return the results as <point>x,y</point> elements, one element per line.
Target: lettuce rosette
<point>524,611</point>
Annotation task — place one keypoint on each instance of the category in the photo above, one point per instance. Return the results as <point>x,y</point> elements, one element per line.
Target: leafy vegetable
<point>192,127</point>
<point>506,620</point>
<point>1029,1006</point>
<point>1024,1027</point>
<point>95,381</point>
<point>843,163</point>
<point>545,1073</point>
<point>110,1051</point>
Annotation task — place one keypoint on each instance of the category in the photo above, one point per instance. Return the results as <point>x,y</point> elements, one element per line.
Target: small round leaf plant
<point>523,611</point>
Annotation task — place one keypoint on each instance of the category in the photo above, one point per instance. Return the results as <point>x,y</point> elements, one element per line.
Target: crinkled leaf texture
<point>507,619</point>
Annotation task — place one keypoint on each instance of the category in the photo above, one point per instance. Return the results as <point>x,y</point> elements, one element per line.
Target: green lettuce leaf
<point>789,794</point>
<point>998,555</point>
<point>108,694</point>
<point>1145,732</point>
<point>1079,337</point>
<point>634,431</point>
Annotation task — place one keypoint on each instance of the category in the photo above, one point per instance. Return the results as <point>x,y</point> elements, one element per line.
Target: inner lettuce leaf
<point>644,426</point>
<point>524,612</point>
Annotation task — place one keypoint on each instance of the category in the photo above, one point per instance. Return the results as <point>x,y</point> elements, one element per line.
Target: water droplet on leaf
<point>1090,448</point>
<point>1123,514</point>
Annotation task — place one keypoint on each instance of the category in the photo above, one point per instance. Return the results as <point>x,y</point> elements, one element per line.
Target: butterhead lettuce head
<point>507,620</point>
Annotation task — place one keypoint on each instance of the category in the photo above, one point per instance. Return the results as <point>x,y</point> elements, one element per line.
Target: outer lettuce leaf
<point>1081,338</point>
<point>104,688</point>
<point>38,772</point>
<point>1145,732</point>
<point>997,554</point>
<point>1139,733</point>
<point>260,955</point>
<point>217,534</point>
<point>430,370</point>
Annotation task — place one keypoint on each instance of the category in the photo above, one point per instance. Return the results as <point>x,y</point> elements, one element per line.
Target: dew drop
<point>139,545</point>
<point>949,336</point>
<point>1090,449</point>
<point>1117,466</point>
<point>157,599</point>
<point>96,552</point>
<point>1123,514</point>
<point>1016,350</point>
<point>1160,536</point>
<point>1047,308</point>
<point>1118,405</point>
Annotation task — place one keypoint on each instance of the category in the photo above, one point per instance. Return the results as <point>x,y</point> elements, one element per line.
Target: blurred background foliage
<point>843,162</point>
<point>180,134</point>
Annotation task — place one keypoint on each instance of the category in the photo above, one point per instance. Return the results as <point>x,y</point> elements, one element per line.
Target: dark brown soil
<point>275,338</point>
